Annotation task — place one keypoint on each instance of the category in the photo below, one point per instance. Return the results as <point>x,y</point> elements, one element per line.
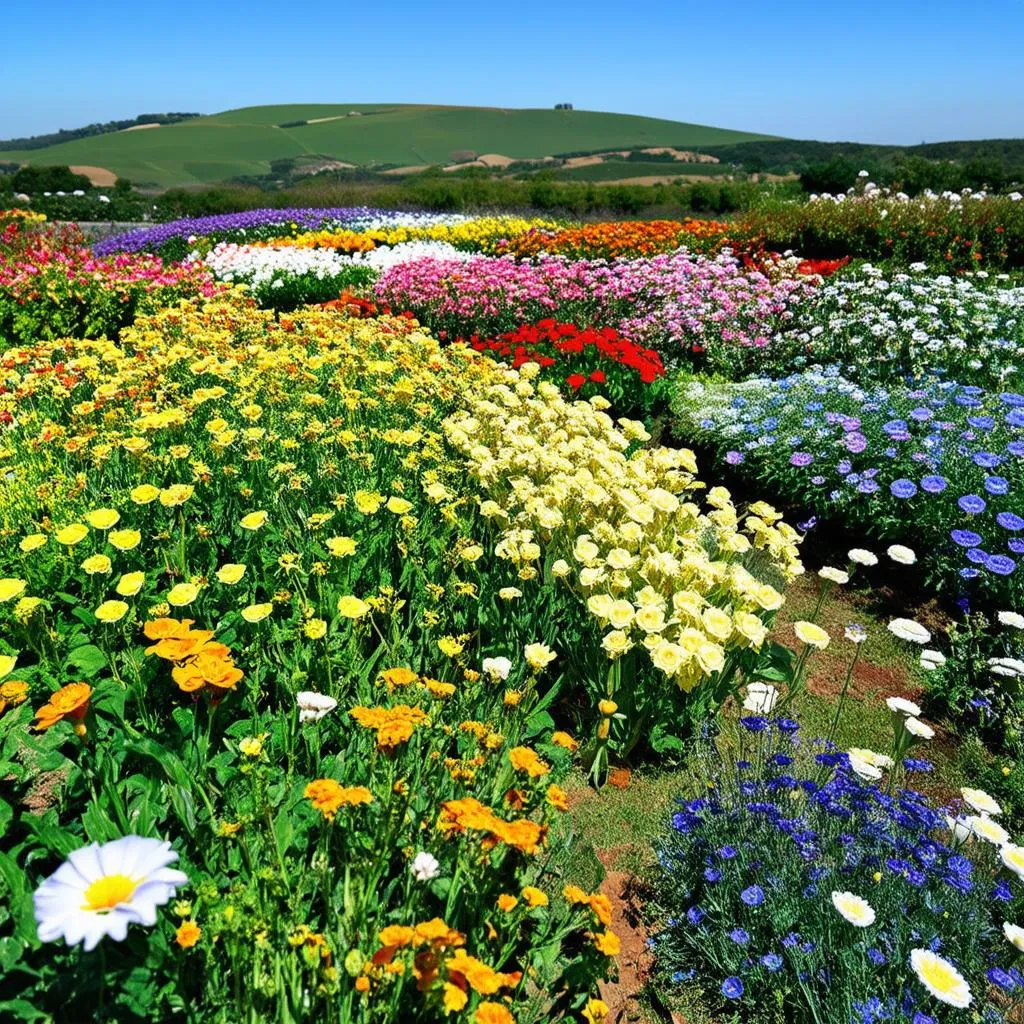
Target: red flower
<point>576,381</point>
<point>597,377</point>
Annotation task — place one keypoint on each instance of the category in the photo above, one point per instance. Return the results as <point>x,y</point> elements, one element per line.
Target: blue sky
<point>896,72</point>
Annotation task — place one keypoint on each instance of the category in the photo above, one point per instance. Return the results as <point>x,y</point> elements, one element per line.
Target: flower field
<point>351,559</point>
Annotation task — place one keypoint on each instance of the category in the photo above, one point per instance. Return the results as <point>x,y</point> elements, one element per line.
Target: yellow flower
<point>340,547</point>
<point>368,502</point>
<point>70,535</point>
<point>130,583</point>
<point>471,553</point>
<point>535,897</point>
<point>538,656</point>
<point>103,518</point>
<point>176,494</point>
<point>97,565</point>
<point>125,540</point>
<point>450,647</point>
<point>144,494</point>
<point>10,588</point>
<point>32,542</point>
<point>252,746</point>
<point>399,506</point>
<point>596,1011</point>
<point>509,593</point>
<point>230,573</point>
<point>111,611</point>
<point>315,629</point>
<point>253,521</point>
<point>352,607</point>
<point>25,608</point>
<point>257,612</point>
<point>182,594</point>
<point>7,663</point>
<point>188,934</point>
<point>810,634</point>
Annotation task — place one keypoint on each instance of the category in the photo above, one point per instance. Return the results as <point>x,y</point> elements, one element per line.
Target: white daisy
<point>313,706</point>
<point>101,889</point>
<point>854,909</point>
<point>941,978</point>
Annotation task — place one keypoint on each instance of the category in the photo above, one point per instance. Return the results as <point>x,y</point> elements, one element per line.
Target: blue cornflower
<point>903,488</point>
<point>997,484</point>
<point>739,936</point>
<point>876,956</point>
<point>933,484</point>
<point>712,875</point>
<point>972,504</point>
<point>1001,565</point>
<point>754,723</point>
<point>753,896</point>
<point>999,977</point>
<point>695,915</point>
<point>917,764</point>
<point>732,988</point>
<point>727,852</point>
<point>1010,521</point>
<point>772,962</point>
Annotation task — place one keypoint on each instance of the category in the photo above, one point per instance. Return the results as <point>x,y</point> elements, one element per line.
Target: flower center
<point>106,893</point>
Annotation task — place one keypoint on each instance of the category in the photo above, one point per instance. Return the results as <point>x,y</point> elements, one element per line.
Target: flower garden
<point>417,617</point>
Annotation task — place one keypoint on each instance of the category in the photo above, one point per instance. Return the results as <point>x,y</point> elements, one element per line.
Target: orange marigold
<point>526,760</point>
<point>187,934</point>
<point>71,702</point>
<point>327,795</point>
<point>493,1013</point>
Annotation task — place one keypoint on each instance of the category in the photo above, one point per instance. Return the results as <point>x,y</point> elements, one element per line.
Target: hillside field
<point>244,142</point>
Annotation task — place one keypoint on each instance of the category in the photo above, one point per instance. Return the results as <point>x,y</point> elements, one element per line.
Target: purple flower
<point>987,460</point>
<point>801,459</point>
<point>1010,521</point>
<point>732,988</point>
<point>753,896</point>
<point>903,488</point>
<point>933,484</point>
<point>1001,565</point>
<point>997,484</point>
<point>966,538</point>
<point>734,458</point>
<point>739,936</point>
<point>868,487</point>
<point>844,467</point>
<point>972,504</point>
<point>855,442</point>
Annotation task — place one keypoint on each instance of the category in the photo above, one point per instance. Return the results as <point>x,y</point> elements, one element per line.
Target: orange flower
<point>478,975</point>
<point>507,903</point>
<point>436,933</point>
<point>164,629</point>
<point>187,934</point>
<point>395,677</point>
<point>602,908</point>
<point>206,669</point>
<point>71,702</point>
<point>558,798</point>
<point>327,795</point>
<point>362,984</point>
<point>526,760</point>
<point>493,1013</point>
<point>563,739</point>
<point>535,897</point>
<point>468,813</point>
<point>608,943</point>
<point>12,693</point>
<point>394,725</point>
<point>396,935</point>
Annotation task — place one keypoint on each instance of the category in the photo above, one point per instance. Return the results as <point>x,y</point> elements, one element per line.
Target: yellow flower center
<point>106,893</point>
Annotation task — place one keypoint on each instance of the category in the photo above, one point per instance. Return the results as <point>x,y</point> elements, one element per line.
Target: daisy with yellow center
<point>940,978</point>
<point>102,889</point>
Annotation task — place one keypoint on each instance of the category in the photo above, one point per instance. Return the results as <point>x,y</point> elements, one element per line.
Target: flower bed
<point>941,463</point>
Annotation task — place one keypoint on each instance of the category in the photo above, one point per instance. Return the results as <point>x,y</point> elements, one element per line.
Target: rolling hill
<point>209,149</point>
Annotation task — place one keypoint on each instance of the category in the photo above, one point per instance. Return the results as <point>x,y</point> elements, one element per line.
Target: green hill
<point>244,142</point>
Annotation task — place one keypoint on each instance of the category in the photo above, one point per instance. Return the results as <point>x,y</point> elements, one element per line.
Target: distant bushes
<point>104,128</point>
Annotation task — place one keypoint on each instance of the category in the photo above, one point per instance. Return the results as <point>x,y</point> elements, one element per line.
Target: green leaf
<point>21,1009</point>
<point>6,816</point>
<point>87,659</point>
<point>20,899</point>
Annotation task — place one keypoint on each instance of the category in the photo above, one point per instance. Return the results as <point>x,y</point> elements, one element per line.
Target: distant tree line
<point>104,128</point>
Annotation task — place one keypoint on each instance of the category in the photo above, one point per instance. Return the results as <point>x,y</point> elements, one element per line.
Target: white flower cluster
<point>872,193</point>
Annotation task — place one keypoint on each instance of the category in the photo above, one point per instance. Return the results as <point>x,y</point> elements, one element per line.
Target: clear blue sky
<point>897,72</point>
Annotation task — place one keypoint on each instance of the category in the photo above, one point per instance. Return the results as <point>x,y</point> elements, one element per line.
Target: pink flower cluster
<point>679,304</point>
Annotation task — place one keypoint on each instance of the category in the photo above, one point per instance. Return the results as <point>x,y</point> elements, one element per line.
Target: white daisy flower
<point>908,629</point>
<point>101,889</point>
<point>940,978</point>
<point>980,801</point>
<point>854,909</point>
<point>901,554</point>
<point>760,698</point>
<point>1011,619</point>
<point>497,668</point>
<point>900,706</point>
<point>313,706</point>
<point>1014,935</point>
<point>424,866</point>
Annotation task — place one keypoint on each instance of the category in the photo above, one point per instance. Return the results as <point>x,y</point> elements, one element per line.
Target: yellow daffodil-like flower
<point>450,647</point>
<point>812,635</point>
<point>176,494</point>
<point>32,542</point>
<point>315,629</point>
<point>103,518</point>
<point>7,663</point>
<point>72,534</point>
<point>399,506</point>
<point>352,607</point>
<point>253,521</point>
<point>230,573</point>
<point>182,594</point>
<point>144,494</point>
<point>130,583</point>
<point>538,656</point>
<point>11,588</point>
<point>368,502</point>
<point>125,540</point>
<point>97,565</point>
<point>341,547</point>
<point>111,611</point>
<point>257,612</point>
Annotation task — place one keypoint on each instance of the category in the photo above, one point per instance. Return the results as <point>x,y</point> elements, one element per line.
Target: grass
<point>243,142</point>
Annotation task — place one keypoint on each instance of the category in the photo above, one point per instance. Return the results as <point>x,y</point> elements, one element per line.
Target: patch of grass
<point>621,169</point>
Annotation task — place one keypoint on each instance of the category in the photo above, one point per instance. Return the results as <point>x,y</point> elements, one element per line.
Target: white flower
<point>919,729</point>
<point>980,801</point>
<point>424,866</point>
<point>864,768</point>
<point>940,978</point>
<point>313,706</point>
<point>862,174</point>
<point>497,668</point>
<point>760,698</point>
<point>101,889</point>
<point>985,828</point>
<point>826,572</point>
<point>959,827</point>
<point>931,660</point>
<point>908,629</point>
<point>854,909</point>
<point>862,557</point>
<point>855,633</point>
<point>1011,619</point>
<point>1014,935</point>
<point>1013,857</point>
<point>901,554</point>
<point>900,706</point>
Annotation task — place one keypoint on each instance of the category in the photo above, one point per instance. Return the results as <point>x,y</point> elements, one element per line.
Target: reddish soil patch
<point>634,962</point>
